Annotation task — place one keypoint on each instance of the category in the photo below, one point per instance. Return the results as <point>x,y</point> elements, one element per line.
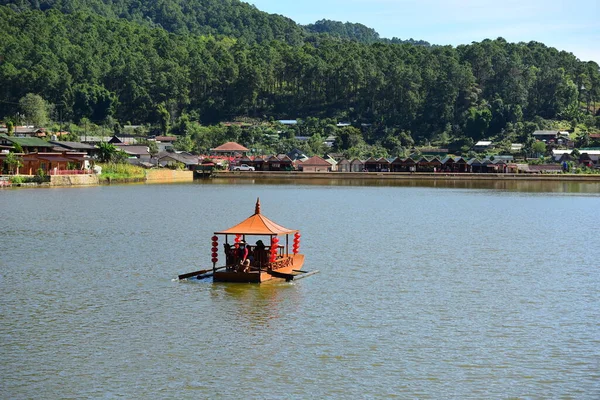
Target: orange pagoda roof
<point>257,224</point>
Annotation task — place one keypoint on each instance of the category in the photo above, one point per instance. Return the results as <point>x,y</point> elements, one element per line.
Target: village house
<point>373,164</point>
<point>171,159</point>
<point>141,153</point>
<point>344,165</point>
<point>546,136</point>
<point>357,165</point>
<point>28,144</point>
<point>288,122</point>
<point>297,154</point>
<point>331,161</point>
<point>329,141</point>
<point>316,164</point>
<point>483,145</point>
<point>165,143</point>
<point>61,146</point>
<point>125,140</point>
<point>516,147</point>
<point>51,163</point>
<point>540,169</point>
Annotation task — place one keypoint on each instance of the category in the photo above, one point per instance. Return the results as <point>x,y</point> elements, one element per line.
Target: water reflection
<point>252,304</point>
<point>530,186</point>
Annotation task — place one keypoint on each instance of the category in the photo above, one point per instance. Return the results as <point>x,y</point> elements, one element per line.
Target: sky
<point>572,26</point>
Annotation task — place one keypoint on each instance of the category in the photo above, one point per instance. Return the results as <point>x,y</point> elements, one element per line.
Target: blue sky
<point>573,26</point>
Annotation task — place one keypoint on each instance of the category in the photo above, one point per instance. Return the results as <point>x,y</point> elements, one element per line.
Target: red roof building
<point>230,148</point>
<point>316,164</point>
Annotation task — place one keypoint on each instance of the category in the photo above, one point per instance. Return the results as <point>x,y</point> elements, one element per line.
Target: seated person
<point>242,256</point>
<point>244,266</point>
<point>260,254</point>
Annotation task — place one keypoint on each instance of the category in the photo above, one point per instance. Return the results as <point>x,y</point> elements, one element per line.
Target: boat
<point>256,262</point>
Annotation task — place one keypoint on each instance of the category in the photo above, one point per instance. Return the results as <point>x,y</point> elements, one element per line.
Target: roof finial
<point>257,208</point>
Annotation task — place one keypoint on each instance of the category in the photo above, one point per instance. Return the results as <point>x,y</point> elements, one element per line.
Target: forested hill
<point>105,68</point>
<point>232,18</point>
<point>356,32</point>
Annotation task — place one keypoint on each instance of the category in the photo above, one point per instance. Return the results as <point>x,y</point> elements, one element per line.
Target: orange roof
<point>257,224</point>
<point>230,146</point>
<point>316,160</point>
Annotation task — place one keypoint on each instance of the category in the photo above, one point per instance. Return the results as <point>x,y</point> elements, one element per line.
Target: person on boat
<point>245,266</point>
<point>260,253</point>
<point>242,256</point>
<point>229,254</point>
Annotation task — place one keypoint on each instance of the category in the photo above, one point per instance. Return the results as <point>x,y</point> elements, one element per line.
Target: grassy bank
<point>112,172</point>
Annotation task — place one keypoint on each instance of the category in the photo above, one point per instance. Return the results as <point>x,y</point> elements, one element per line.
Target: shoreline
<point>92,180</point>
<point>178,177</point>
<point>433,176</point>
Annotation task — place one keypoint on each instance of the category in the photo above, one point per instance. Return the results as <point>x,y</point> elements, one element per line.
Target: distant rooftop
<point>229,147</point>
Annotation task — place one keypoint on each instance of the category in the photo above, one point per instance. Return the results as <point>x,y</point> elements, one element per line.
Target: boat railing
<point>281,263</point>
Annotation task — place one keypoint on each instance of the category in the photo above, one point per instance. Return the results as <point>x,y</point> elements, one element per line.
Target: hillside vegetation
<point>211,61</point>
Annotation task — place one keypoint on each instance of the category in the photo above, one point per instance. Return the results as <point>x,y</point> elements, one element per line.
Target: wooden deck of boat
<point>262,276</point>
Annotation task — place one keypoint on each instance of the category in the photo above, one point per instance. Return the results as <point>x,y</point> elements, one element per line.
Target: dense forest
<point>356,32</point>
<point>212,61</point>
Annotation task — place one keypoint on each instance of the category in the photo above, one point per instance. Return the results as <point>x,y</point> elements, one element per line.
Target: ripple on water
<point>423,293</point>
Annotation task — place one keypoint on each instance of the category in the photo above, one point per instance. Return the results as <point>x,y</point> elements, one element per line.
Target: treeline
<point>94,67</point>
<point>355,32</point>
<point>231,18</point>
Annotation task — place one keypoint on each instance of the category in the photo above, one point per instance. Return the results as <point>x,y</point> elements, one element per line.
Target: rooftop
<point>230,146</point>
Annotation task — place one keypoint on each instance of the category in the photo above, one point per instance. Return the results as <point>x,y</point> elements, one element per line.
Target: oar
<point>190,274</point>
<point>202,271</point>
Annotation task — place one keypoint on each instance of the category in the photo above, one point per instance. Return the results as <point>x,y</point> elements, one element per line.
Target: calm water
<point>460,291</point>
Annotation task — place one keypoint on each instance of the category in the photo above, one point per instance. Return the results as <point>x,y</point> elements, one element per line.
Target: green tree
<point>184,143</point>
<point>35,109</point>
<point>10,127</point>
<point>13,162</point>
<point>164,118</point>
<point>107,152</point>
<point>152,148</point>
<point>93,102</point>
<point>17,148</point>
<point>478,122</point>
<point>539,148</point>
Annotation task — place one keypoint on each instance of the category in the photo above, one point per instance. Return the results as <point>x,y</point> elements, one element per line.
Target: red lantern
<point>214,238</point>
<point>215,254</point>
<point>215,259</point>
<point>215,244</point>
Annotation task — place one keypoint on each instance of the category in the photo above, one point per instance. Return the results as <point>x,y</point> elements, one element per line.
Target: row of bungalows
<point>425,164</point>
<point>267,163</point>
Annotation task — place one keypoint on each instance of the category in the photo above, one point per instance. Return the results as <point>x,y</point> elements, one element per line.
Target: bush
<point>17,179</point>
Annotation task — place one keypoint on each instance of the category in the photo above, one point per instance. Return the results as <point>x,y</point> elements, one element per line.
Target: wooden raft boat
<point>255,262</point>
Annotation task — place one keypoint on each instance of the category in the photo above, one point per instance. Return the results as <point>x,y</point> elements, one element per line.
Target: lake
<point>426,290</point>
